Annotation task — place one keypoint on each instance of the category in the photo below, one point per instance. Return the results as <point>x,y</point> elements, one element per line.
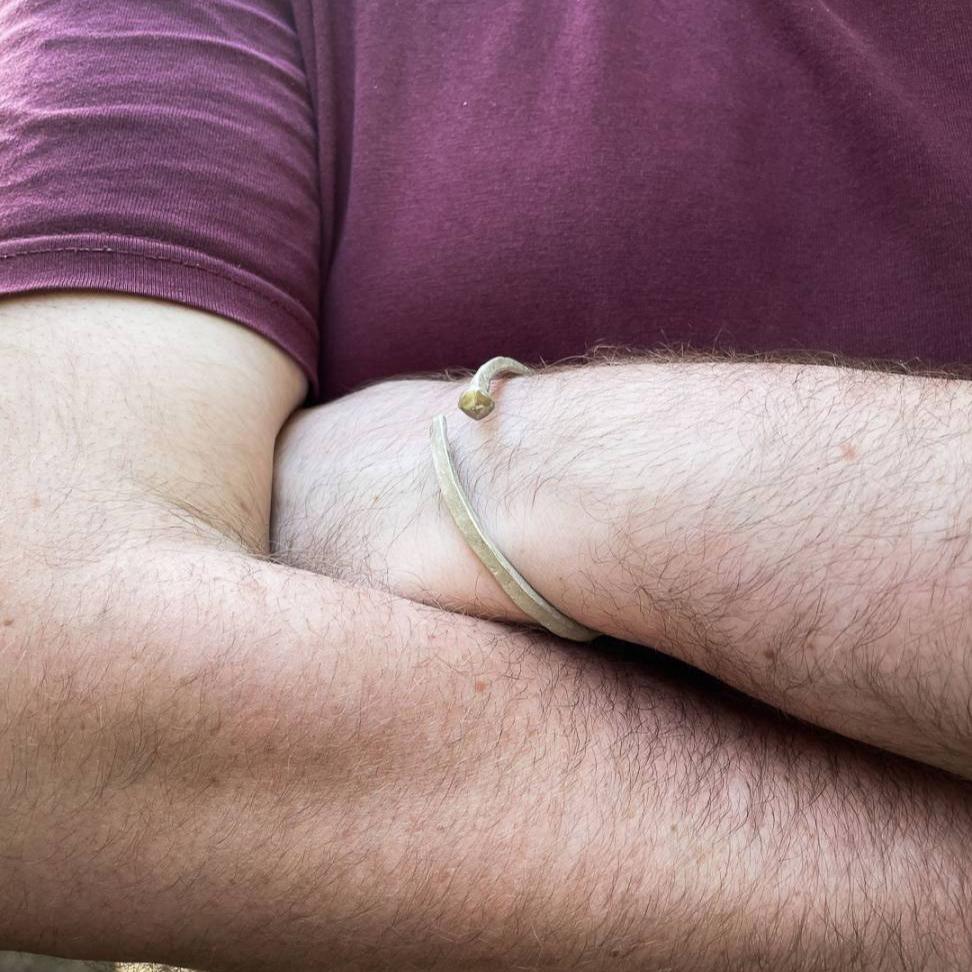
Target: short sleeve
<point>166,150</point>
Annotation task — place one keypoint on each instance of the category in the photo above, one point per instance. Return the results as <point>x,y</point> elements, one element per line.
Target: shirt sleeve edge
<point>161,271</point>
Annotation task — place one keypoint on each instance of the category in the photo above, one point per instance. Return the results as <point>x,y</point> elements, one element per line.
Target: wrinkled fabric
<point>392,187</point>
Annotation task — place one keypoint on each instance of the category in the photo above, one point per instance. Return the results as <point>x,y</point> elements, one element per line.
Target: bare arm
<point>211,759</point>
<point>802,532</point>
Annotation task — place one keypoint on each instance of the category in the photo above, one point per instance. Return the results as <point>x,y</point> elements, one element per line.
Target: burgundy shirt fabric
<point>388,187</point>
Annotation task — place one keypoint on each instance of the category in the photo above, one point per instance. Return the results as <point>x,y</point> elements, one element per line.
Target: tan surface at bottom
<point>20,962</point>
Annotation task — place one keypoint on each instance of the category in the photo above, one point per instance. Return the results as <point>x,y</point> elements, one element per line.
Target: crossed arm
<point>210,758</point>
<point>799,531</point>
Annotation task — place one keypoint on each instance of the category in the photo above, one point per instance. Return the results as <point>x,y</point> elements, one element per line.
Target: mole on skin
<point>848,452</point>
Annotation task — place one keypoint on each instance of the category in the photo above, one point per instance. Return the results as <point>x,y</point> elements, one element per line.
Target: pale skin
<point>802,532</point>
<point>213,759</point>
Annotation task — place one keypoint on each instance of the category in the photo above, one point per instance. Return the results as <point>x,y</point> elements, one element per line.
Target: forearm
<point>213,760</point>
<point>802,532</point>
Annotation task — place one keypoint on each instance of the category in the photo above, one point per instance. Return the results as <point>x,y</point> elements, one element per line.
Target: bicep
<point>126,414</point>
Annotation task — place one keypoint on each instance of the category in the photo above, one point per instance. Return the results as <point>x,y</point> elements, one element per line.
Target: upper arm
<point>166,152</point>
<point>120,414</point>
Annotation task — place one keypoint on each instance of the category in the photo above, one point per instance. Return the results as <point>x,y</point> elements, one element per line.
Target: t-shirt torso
<point>537,177</point>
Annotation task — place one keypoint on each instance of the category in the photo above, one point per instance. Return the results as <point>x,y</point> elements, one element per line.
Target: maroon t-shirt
<point>389,187</point>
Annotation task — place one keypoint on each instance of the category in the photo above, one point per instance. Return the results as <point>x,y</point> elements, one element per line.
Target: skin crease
<point>216,760</point>
<point>797,530</point>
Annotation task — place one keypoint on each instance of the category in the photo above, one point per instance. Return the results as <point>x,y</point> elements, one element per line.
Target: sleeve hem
<point>150,269</point>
